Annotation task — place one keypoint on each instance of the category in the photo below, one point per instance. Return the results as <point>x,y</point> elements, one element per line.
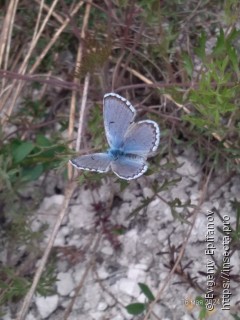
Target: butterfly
<point>131,143</point>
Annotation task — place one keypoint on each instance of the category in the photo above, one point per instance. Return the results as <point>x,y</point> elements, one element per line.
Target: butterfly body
<point>115,153</point>
<point>131,143</point>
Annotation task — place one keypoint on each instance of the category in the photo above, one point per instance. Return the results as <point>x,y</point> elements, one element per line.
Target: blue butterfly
<point>131,143</point>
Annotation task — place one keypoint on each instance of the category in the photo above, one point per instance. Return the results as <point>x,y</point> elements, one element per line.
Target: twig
<point>6,34</point>
<point>76,81</point>
<point>82,109</point>
<point>55,15</point>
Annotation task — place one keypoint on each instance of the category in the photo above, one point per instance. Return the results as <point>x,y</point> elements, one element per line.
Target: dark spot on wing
<point>111,122</point>
<point>92,157</point>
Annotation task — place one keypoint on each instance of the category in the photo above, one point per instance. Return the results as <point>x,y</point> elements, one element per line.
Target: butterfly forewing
<point>99,162</point>
<point>142,138</point>
<point>118,116</point>
<point>129,168</point>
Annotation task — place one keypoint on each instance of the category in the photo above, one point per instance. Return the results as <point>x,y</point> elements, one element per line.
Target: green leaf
<point>42,141</point>
<point>203,314</point>
<point>220,44</point>
<point>32,173</point>
<point>188,64</point>
<point>136,308</point>
<point>146,291</point>
<point>234,60</point>
<point>200,301</point>
<point>200,51</point>
<point>22,151</point>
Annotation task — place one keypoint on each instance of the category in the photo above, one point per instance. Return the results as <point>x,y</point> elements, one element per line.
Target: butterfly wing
<point>142,138</point>
<point>118,115</point>
<point>99,162</point>
<point>129,168</point>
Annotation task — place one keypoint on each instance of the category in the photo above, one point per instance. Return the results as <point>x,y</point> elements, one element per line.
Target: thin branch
<point>82,111</point>
<point>76,80</point>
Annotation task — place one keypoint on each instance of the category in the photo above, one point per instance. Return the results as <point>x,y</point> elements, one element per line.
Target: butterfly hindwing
<point>99,162</point>
<point>129,168</point>
<point>118,115</point>
<point>142,138</point>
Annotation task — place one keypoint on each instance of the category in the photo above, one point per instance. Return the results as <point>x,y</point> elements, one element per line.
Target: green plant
<point>139,308</point>
<point>214,99</point>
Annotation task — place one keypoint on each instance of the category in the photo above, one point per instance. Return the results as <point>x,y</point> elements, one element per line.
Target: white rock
<point>96,315</point>
<point>74,315</point>
<point>93,295</point>
<point>235,258</point>
<point>81,217</point>
<point>52,202</point>
<point>85,198</point>
<point>186,317</point>
<point>62,233</point>
<point>48,213</point>
<point>30,316</point>
<point>129,287</point>
<point>86,306</point>
<point>103,193</point>
<point>162,235</point>
<point>142,298</point>
<point>118,317</point>
<point>123,261</point>
<point>148,237</point>
<point>102,306</point>
<point>136,272</point>
<point>128,196</point>
<point>60,239</point>
<point>46,305</point>
<point>129,241</point>
<point>235,189</point>
<point>102,273</point>
<point>127,316</point>
<point>78,273</point>
<point>199,229</point>
<point>147,260</point>
<point>109,300</point>
<point>7,316</point>
<point>65,231</point>
<point>65,283</point>
<point>160,211</point>
<point>147,192</point>
<point>188,168</point>
<point>107,249</point>
<point>75,240</point>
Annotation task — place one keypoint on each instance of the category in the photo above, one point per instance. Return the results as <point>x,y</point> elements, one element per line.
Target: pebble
<point>129,287</point>
<point>102,306</point>
<point>46,305</point>
<point>65,283</point>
